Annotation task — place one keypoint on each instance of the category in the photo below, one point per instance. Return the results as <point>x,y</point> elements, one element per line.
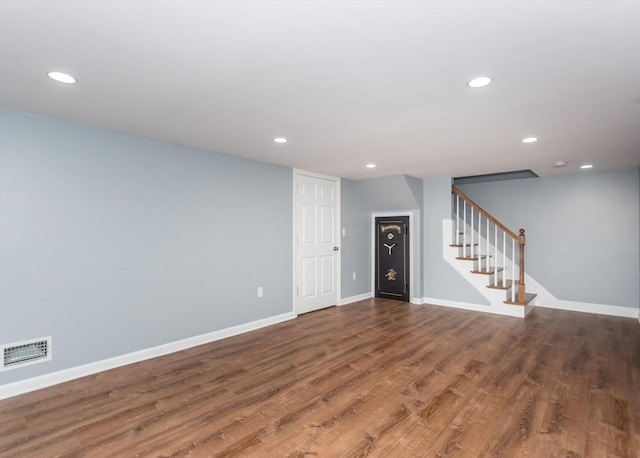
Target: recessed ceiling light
<point>560,163</point>
<point>530,140</point>
<point>371,166</point>
<point>586,166</point>
<point>480,81</point>
<point>280,140</point>
<point>62,77</point>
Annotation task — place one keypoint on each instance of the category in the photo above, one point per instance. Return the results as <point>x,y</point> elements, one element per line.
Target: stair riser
<point>483,263</point>
<point>467,252</point>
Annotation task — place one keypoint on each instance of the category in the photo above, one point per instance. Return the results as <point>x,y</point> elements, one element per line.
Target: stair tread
<point>491,271</point>
<point>474,257</point>
<point>528,297</point>
<point>460,245</point>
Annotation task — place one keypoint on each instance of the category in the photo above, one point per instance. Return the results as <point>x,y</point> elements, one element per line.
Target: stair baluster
<point>483,253</point>
<point>471,247</point>
<point>513,269</point>
<point>457,235</point>
<point>488,263</point>
<point>504,258</point>
<point>464,228</point>
<point>495,255</point>
<point>479,254</point>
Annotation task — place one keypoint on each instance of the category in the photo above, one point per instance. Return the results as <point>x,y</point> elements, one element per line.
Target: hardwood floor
<point>374,378</point>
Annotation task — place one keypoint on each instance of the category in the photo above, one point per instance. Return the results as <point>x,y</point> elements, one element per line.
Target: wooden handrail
<point>485,213</point>
<point>520,238</point>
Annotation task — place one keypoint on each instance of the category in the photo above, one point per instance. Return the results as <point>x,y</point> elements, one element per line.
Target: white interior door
<point>316,242</point>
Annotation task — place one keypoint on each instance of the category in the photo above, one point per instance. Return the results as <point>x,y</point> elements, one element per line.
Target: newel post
<point>521,288</point>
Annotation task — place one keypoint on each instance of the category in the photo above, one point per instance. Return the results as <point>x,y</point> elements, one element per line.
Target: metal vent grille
<point>25,353</point>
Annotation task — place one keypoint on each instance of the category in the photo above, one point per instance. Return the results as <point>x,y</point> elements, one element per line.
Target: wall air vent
<point>20,354</point>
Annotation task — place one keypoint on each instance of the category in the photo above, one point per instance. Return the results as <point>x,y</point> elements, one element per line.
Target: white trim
<point>514,311</point>
<point>545,299</point>
<point>293,241</point>
<point>338,241</point>
<point>412,271</point>
<point>338,224</point>
<point>359,297</point>
<point>586,307</point>
<point>43,381</point>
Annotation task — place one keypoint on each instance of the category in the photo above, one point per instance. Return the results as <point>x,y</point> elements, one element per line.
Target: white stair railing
<point>487,257</point>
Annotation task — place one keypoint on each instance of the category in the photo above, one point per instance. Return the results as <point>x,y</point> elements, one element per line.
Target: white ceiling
<point>347,82</point>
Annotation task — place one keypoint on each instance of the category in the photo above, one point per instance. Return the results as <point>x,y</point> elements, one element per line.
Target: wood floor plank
<point>374,378</point>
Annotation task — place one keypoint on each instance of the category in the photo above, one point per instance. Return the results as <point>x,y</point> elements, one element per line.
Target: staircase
<point>490,248</point>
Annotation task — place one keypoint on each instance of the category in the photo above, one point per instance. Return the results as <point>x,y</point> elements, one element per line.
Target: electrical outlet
<point>354,275</point>
<point>344,232</point>
<point>259,291</point>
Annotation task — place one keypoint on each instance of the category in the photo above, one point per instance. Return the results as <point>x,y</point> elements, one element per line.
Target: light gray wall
<point>416,186</point>
<point>356,243</point>
<point>430,200</point>
<point>393,192</point>
<point>113,243</point>
<point>582,231</point>
<point>441,280</point>
<point>390,194</point>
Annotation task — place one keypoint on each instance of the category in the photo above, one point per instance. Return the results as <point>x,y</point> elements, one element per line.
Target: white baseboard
<point>43,381</point>
<point>359,297</point>
<point>507,310</point>
<point>586,307</point>
<point>544,298</point>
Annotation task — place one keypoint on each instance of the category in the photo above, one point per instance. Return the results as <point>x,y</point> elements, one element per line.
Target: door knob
<point>335,248</point>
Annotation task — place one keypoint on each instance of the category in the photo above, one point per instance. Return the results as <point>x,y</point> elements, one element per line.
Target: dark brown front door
<point>392,257</point>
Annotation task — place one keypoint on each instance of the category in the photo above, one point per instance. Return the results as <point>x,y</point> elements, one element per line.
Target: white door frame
<point>412,271</point>
<point>297,172</point>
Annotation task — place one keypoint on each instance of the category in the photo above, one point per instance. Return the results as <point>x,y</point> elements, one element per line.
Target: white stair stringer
<point>495,297</point>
